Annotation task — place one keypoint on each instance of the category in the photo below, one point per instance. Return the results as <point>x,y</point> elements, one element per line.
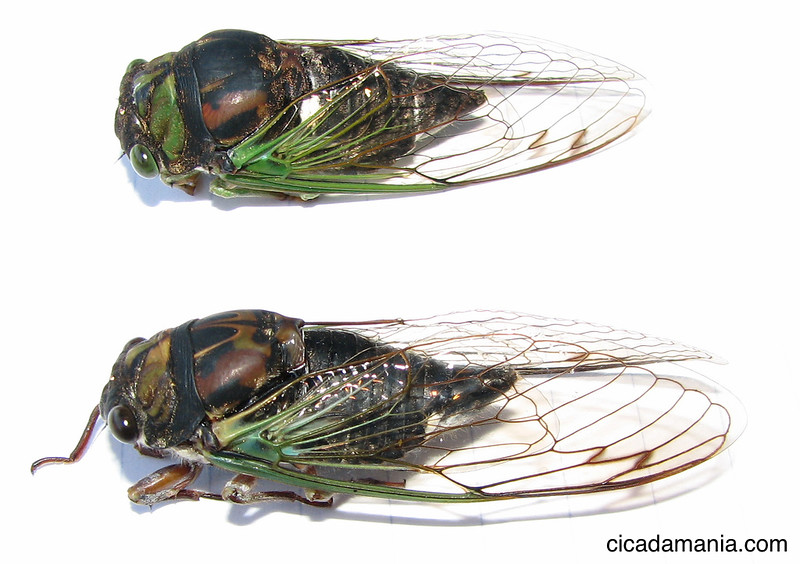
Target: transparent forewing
<point>534,342</point>
<point>499,405</point>
<point>543,105</point>
<point>546,103</point>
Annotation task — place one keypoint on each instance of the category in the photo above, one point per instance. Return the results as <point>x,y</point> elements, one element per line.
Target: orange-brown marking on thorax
<point>233,104</point>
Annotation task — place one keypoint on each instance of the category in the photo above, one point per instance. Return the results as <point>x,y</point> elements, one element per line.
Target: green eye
<point>143,162</point>
<point>134,63</point>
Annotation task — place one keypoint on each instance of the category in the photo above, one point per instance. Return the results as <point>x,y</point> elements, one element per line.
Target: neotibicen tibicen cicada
<point>368,117</point>
<point>466,407</point>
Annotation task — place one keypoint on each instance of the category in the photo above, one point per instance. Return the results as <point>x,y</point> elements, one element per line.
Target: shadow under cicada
<point>368,117</point>
<point>468,407</point>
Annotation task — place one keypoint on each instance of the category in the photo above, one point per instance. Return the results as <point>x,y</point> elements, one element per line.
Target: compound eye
<point>135,63</point>
<point>143,162</point>
<point>122,423</point>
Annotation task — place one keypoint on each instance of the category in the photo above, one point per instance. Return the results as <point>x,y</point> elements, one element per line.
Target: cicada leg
<point>375,482</point>
<point>187,183</point>
<point>147,451</point>
<point>320,495</point>
<point>167,483</point>
<point>240,490</point>
<point>317,496</point>
<point>227,189</point>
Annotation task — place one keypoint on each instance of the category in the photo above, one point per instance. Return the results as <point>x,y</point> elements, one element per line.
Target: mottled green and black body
<point>464,407</point>
<point>260,385</point>
<point>247,109</point>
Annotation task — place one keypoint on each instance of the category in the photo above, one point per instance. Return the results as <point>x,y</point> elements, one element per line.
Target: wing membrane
<point>531,341</point>
<point>561,407</point>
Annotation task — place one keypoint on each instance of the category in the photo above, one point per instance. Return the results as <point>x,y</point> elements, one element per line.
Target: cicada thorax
<point>241,80</point>
<point>238,355</point>
<point>188,108</point>
<point>182,378</point>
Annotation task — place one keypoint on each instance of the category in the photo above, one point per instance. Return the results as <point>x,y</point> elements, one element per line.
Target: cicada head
<point>149,399</point>
<point>149,122</point>
<point>178,114</point>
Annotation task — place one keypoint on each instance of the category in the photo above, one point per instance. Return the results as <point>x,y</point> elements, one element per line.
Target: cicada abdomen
<point>263,116</point>
<point>476,406</point>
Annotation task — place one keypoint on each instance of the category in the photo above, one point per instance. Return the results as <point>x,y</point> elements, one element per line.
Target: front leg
<point>187,182</point>
<point>167,483</point>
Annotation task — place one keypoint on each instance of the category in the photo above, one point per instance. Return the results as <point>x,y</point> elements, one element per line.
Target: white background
<point>687,230</point>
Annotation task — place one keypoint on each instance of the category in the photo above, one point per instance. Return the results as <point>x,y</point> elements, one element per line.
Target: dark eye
<point>123,424</point>
<point>143,162</point>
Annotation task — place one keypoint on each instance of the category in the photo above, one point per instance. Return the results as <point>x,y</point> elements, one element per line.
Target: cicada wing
<point>547,104</point>
<point>527,105</point>
<point>523,340</point>
<point>545,417</point>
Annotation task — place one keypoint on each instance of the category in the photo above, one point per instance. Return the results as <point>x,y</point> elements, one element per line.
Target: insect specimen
<point>466,407</point>
<point>321,117</point>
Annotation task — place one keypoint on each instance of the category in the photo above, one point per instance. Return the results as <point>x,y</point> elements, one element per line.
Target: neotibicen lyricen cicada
<point>322,117</point>
<point>466,407</point>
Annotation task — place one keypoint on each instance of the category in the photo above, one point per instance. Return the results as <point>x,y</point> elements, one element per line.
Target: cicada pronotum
<point>321,117</point>
<point>467,407</point>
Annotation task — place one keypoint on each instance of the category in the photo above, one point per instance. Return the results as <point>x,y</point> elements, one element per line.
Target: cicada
<point>368,117</point>
<point>465,407</point>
